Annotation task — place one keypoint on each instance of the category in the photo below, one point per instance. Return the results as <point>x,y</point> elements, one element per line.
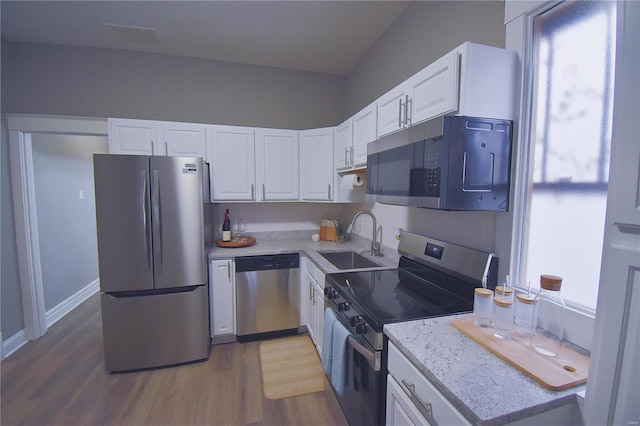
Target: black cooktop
<point>407,293</point>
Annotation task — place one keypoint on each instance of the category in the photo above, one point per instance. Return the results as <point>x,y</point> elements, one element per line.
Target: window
<point>573,61</point>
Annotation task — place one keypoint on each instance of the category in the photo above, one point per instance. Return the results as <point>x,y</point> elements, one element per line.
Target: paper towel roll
<point>351,181</point>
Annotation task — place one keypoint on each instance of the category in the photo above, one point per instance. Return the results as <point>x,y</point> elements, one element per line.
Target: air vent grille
<point>129,34</point>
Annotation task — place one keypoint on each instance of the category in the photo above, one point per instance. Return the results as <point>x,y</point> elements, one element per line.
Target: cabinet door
<point>135,137</point>
<point>364,131</point>
<point>277,164</point>
<point>319,288</point>
<point>231,153</point>
<point>343,145</point>
<point>400,409</point>
<point>223,295</point>
<point>312,317</point>
<point>316,164</point>
<point>434,90</point>
<point>391,110</point>
<point>185,139</point>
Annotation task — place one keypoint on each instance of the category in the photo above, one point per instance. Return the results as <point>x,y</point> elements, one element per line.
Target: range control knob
<point>331,293</point>
<point>344,306</point>
<point>358,323</point>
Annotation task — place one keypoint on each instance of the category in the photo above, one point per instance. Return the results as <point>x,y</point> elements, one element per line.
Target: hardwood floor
<point>60,380</point>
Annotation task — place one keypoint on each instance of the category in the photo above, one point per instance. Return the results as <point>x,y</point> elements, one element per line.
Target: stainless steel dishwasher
<point>268,296</point>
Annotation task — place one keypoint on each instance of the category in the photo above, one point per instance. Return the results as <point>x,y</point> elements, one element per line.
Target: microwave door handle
<point>373,358</point>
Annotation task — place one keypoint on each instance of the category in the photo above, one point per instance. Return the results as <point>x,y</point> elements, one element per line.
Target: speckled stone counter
<point>482,387</point>
<point>300,241</point>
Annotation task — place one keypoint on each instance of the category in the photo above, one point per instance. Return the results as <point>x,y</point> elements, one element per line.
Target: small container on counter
<point>505,292</point>
<point>526,317</point>
<point>482,306</point>
<point>502,317</point>
<point>547,339</point>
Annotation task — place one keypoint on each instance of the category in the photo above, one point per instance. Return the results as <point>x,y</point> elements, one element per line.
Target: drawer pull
<point>425,409</point>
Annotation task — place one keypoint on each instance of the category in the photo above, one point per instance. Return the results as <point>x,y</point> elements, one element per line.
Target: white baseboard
<point>14,343</point>
<point>19,339</point>
<point>68,305</point>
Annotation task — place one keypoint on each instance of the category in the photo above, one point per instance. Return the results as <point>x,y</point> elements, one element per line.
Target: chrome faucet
<point>376,250</point>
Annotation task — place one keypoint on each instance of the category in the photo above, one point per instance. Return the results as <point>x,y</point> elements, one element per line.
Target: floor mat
<point>290,367</point>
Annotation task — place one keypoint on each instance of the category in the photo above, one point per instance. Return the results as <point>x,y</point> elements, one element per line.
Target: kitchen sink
<point>348,260</point>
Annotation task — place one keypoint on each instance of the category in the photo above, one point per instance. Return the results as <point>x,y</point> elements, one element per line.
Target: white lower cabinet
<point>223,298</point>
<point>313,291</point>
<point>412,399</point>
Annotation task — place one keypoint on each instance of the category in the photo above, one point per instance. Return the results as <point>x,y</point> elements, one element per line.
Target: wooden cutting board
<point>568,369</point>
<point>247,241</point>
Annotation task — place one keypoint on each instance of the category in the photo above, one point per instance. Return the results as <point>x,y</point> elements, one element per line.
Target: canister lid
<point>550,282</point>
<point>529,300</point>
<point>503,301</point>
<point>483,292</point>
<point>501,289</point>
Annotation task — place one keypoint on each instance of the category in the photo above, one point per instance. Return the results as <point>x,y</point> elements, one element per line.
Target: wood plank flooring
<point>60,380</point>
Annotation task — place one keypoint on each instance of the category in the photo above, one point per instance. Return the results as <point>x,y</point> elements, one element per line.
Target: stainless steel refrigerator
<point>152,219</point>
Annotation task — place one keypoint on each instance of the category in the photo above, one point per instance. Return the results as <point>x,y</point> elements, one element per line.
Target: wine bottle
<point>226,227</point>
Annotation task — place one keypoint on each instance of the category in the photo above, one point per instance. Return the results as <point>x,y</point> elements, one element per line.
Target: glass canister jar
<point>547,339</point>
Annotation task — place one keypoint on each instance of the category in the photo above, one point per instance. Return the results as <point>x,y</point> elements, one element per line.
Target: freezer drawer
<point>155,330</point>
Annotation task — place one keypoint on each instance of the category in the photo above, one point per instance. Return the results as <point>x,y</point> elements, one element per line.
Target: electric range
<point>434,278</point>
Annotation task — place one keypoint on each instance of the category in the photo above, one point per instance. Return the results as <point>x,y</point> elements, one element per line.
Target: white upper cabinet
<point>392,109</point>
<point>352,138</point>
<point>344,136</point>
<point>277,164</point>
<point>487,81</point>
<point>232,158</point>
<point>185,139</point>
<point>472,80</point>
<point>135,137</point>
<point>434,90</point>
<point>316,164</point>
<point>364,131</point>
<point>148,137</point>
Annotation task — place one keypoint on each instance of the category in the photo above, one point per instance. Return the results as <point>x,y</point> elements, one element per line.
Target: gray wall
<point>424,32</point>
<point>77,81</point>
<point>63,166</point>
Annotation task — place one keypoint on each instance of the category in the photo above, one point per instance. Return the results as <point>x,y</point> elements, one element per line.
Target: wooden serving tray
<point>568,369</point>
<point>248,241</point>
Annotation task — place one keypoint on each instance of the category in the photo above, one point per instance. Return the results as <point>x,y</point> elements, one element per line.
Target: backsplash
<point>471,229</point>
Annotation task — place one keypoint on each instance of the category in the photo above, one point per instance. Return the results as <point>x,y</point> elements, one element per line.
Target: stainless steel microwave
<point>449,163</point>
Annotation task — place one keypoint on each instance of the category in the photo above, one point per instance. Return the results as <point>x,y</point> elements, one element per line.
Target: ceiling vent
<point>128,34</point>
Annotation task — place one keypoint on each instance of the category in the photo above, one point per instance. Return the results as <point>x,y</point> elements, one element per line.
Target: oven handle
<point>373,358</point>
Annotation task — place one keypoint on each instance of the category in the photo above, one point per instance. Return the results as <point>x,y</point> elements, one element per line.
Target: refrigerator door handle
<point>145,219</point>
<point>157,222</point>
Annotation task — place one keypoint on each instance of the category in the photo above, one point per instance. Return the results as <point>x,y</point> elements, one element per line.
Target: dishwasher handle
<point>268,262</point>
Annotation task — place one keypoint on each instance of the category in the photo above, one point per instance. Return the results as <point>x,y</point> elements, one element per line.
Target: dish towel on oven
<point>339,365</point>
<point>327,351</point>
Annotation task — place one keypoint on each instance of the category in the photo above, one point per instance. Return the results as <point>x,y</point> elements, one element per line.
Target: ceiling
<point>320,36</point>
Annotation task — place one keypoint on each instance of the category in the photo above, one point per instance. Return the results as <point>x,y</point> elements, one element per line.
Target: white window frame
<point>519,16</point>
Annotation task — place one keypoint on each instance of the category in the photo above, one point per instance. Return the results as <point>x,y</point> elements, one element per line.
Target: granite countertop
<point>301,242</point>
<point>483,388</point>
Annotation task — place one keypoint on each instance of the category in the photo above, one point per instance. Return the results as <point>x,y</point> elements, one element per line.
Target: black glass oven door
<point>363,396</point>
